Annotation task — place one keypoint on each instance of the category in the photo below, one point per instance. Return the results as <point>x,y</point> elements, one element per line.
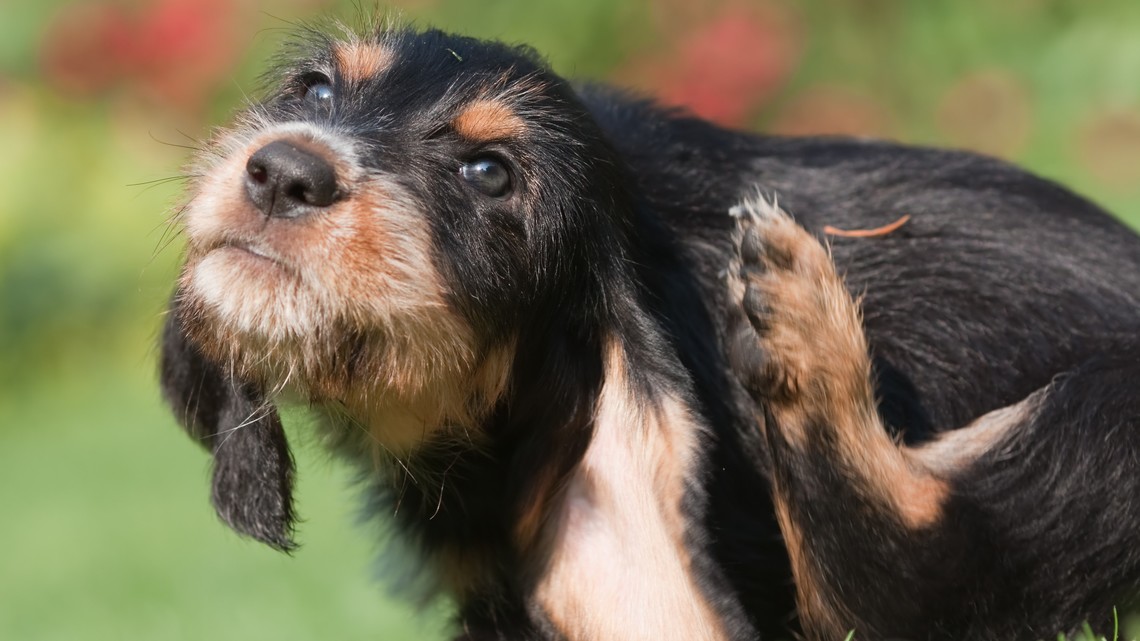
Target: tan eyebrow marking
<point>485,120</point>
<point>359,61</point>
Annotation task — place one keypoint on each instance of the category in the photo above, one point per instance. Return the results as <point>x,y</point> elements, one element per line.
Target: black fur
<point>1000,283</point>
<point>253,468</point>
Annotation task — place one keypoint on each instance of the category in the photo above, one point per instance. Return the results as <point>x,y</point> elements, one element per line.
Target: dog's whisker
<point>150,184</point>
<point>171,230</point>
<point>258,414</point>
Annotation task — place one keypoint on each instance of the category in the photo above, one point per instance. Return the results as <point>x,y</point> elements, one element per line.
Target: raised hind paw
<point>798,343</point>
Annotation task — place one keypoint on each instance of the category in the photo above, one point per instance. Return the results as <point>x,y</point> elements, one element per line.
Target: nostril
<point>257,171</point>
<point>297,192</point>
<point>315,185</point>
<point>285,180</point>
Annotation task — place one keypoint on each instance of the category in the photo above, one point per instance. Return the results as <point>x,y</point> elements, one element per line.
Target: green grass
<point>1085,634</point>
<point>108,534</point>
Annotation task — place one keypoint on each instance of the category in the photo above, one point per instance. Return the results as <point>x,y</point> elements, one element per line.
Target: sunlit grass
<point>108,534</point>
<point>1085,634</point>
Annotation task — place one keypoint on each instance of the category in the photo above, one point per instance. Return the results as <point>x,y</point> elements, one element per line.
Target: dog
<point>608,388</point>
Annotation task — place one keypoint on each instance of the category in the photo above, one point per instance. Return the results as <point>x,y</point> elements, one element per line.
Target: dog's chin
<point>250,313</point>
<point>251,294</point>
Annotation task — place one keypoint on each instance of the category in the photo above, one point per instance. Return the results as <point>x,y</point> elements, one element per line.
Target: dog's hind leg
<point>1018,525</point>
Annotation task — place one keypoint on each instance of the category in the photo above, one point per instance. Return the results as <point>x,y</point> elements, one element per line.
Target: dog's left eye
<point>316,89</point>
<point>488,175</point>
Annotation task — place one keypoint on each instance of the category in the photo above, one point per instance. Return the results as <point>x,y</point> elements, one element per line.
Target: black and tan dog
<point>607,409</point>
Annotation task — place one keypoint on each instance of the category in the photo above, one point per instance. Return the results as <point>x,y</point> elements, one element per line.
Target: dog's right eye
<point>488,175</point>
<point>316,89</point>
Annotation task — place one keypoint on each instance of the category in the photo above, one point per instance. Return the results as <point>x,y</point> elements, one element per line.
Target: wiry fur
<point>587,432</point>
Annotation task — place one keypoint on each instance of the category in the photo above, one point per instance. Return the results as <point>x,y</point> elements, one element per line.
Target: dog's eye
<point>488,175</point>
<point>316,89</point>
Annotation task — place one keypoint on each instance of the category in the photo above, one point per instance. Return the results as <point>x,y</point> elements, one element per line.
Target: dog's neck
<point>578,502</point>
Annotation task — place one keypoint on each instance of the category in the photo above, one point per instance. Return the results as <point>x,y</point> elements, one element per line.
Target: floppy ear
<point>253,468</point>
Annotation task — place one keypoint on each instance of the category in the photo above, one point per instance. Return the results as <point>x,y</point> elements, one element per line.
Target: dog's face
<point>373,235</point>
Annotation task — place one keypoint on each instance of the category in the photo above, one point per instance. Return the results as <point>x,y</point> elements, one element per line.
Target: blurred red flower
<point>726,67</point>
<point>172,52</point>
<point>85,46</point>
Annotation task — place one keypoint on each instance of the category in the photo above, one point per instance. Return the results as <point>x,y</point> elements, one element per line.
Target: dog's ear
<point>253,467</point>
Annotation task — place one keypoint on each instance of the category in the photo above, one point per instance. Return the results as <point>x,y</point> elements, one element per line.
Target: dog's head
<point>371,238</point>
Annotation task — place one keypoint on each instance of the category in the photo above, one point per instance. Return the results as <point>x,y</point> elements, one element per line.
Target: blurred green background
<point>105,527</point>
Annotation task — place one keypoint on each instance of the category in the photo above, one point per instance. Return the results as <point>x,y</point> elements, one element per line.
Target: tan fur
<point>344,306</point>
<point>618,567</point>
<point>455,400</point>
<point>818,363</point>
<point>360,61</point>
<point>487,120</point>
<point>953,451</point>
<point>817,612</point>
<point>536,510</point>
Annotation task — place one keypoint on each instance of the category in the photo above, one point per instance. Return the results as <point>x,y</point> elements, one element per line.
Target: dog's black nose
<point>286,181</point>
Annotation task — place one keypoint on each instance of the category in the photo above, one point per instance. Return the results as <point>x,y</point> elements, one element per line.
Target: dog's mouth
<point>252,255</point>
<point>250,250</point>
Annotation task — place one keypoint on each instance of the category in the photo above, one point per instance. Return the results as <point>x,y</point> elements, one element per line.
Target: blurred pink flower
<point>183,48</point>
<point>727,67</point>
